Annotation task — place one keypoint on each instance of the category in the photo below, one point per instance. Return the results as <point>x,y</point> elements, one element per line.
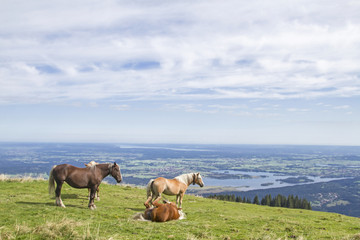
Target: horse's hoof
<point>60,204</point>
<point>92,207</point>
<point>98,199</point>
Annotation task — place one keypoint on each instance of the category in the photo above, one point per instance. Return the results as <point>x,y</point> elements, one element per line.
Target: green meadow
<point>28,212</point>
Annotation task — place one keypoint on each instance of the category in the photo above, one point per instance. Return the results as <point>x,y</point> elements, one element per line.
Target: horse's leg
<point>97,194</point>
<point>181,198</point>
<point>177,200</point>
<point>148,200</point>
<point>89,190</point>
<point>58,193</point>
<point>156,199</point>
<point>150,196</point>
<point>92,197</point>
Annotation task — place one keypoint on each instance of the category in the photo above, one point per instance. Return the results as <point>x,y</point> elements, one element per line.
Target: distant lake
<point>260,180</point>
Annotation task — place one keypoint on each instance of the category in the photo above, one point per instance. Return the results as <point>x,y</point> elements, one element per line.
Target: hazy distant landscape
<point>261,97</point>
<point>328,176</point>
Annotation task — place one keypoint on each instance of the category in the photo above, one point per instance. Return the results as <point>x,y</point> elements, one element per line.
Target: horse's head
<point>115,172</point>
<point>198,179</point>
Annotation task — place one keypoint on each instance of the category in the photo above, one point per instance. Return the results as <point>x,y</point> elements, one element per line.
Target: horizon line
<point>179,143</point>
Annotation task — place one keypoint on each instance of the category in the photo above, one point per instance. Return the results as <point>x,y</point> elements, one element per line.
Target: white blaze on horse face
<point>200,181</point>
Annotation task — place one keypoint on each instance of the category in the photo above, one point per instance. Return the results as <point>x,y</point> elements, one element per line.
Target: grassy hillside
<point>27,212</point>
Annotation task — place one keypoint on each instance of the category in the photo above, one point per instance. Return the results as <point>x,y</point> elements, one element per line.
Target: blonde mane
<point>185,178</point>
<point>91,164</point>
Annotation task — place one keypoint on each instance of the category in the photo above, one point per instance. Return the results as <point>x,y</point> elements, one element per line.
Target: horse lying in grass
<point>92,164</point>
<point>81,178</point>
<point>161,213</point>
<point>176,186</point>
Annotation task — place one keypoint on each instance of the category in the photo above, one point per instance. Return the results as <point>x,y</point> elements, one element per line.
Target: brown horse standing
<point>162,212</point>
<point>81,178</point>
<point>176,186</point>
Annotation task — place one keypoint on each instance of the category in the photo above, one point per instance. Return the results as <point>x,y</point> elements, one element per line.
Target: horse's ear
<point>114,163</point>
<point>198,174</point>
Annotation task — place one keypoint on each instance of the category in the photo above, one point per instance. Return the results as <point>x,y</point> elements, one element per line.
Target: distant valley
<point>328,176</point>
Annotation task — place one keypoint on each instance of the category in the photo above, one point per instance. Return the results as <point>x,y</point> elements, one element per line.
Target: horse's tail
<point>149,188</point>
<point>51,181</point>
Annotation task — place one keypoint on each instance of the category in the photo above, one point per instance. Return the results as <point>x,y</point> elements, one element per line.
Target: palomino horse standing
<point>81,178</point>
<point>176,186</point>
<point>92,164</point>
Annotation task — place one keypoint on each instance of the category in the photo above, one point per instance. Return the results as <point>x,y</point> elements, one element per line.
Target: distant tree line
<point>278,201</point>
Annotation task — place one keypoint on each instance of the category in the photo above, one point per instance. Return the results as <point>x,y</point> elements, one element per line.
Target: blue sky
<point>239,72</point>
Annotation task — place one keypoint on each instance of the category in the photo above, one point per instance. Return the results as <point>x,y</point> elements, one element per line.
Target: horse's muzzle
<point>201,185</point>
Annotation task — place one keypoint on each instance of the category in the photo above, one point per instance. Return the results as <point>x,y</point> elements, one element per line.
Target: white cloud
<point>298,110</point>
<point>342,107</point>
<point>228,107</point>
<point>55,51</point>
<point>122,107</point>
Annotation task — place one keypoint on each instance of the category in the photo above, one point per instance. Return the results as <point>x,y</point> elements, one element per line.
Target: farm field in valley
<point>337,167</point>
